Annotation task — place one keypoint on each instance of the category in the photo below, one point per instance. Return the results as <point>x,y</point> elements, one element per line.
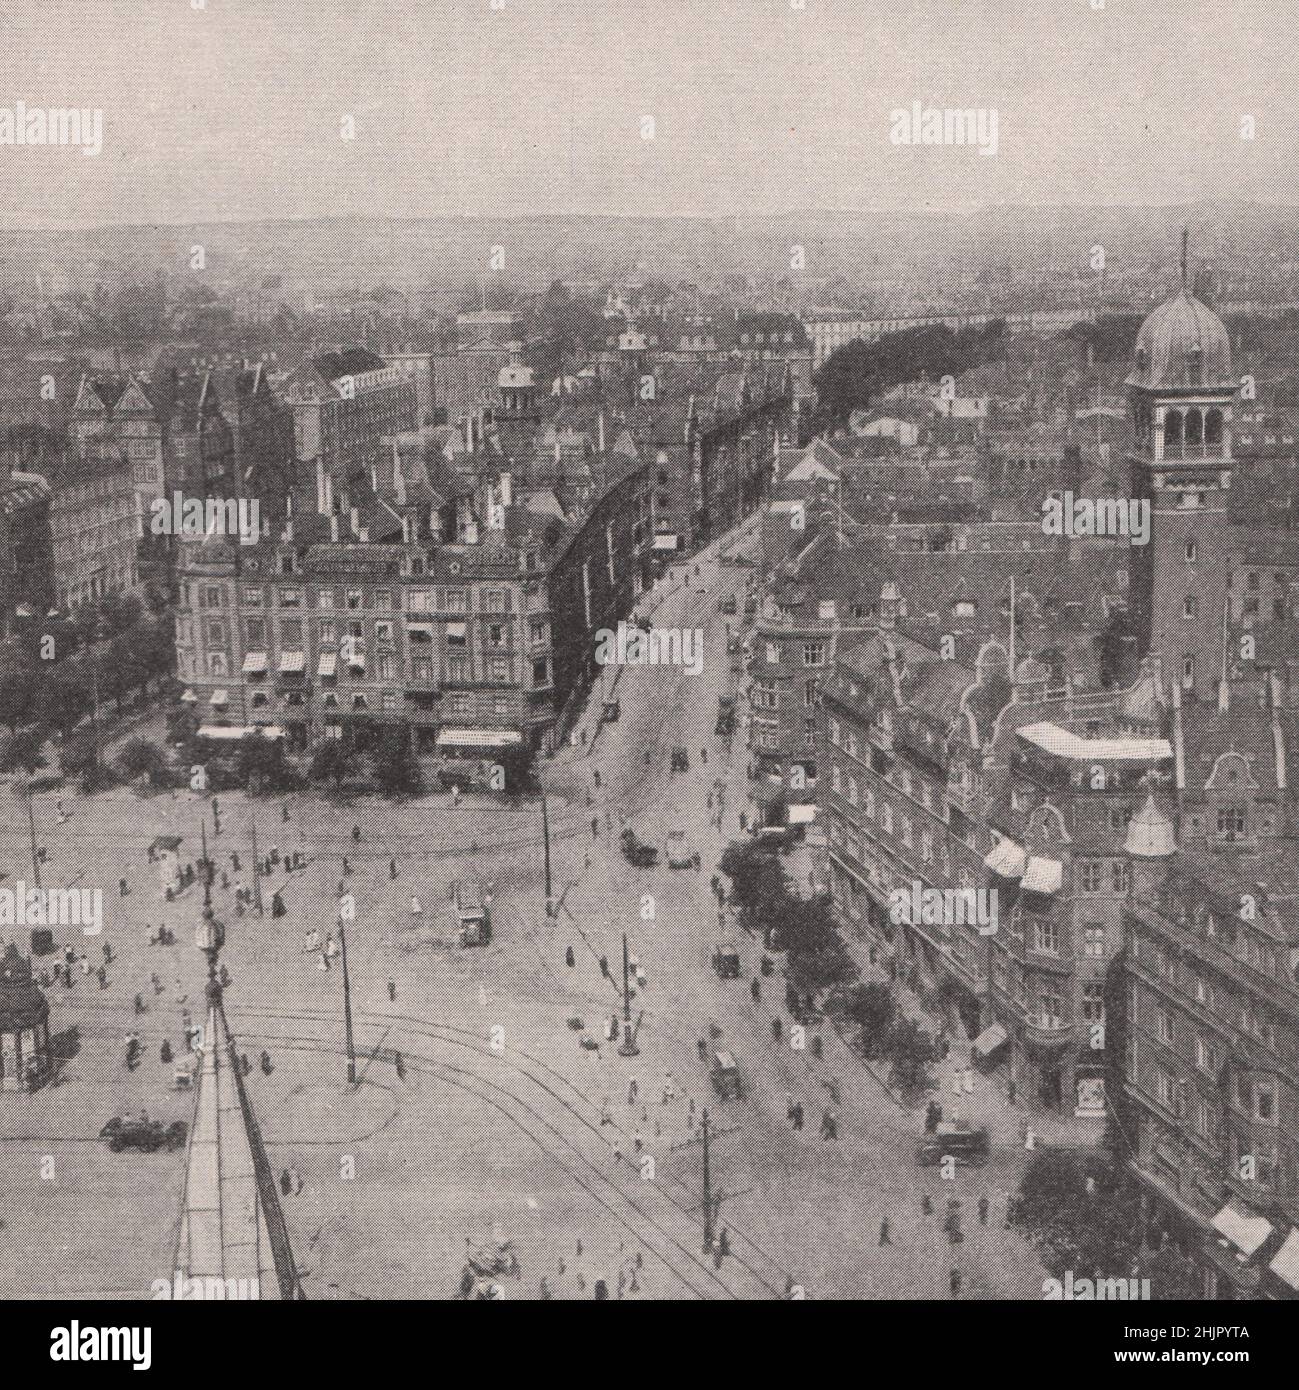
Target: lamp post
<point>627,1047</point>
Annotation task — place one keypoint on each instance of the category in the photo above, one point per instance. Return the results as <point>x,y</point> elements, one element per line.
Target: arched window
<point>1194,428</point>
<point>1213,428</point>
<point>1172,430</point>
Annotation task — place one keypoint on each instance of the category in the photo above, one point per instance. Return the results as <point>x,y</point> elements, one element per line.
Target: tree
<point>756,876</point>
<point>873,1009</point>
<point>332,762</point>
<point>140,758</point>
<point>816,958</point>
<point>396,768</point>
<point>24,752</point>
<point>911,1050</point>
<point>66,696</point>
<point>1096,1232</point>
<point>518,763</point>
<point>260,763</point>
<point>17,688</point>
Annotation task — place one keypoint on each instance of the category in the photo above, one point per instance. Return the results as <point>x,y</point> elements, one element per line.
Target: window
<point>457,669</point>
<point>328,633</point>
<point>773,653</point>
<point>325,598</point>
<point>1119,817</point>
<point>256,632</point>
<point>1204,1125</point>
<point>457,601</point>
<point>1190,552</point>
<point>1089,875</point>
<point>389,700</point>
<point>1190,606</point>
<point>421,601</point>
<point>1265,1101</point>
<point>1163,1026</point>
<point>886,818</point>
<point>1120,875</point>
<point>383,598</point>
<point>457,635</point>
<point>495,600</point>
<point>1188,672</point>
<point>495,635</point>
<point>1231,820</point>
<point>290,598</point>
<point>832,731</point>
<point>216,634</point>
<point>1164,1089</point>
<point>253,597</point>
<point>810,692</point>
<point>852,791</point>
<point>1048,1013</point>
<point>1207,1056</point>
<point>499,667</point>
<point>211,596</point>
<point>354,598</point>
<point>541,671</point>
<point>813,653</point>
<point>1046,937</point>
<point>385,666</point>
<point>1094,942</point>
<point>809,733</point>
<point>538,633</point>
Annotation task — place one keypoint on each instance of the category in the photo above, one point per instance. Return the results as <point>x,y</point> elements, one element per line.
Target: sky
<point>236,109</point>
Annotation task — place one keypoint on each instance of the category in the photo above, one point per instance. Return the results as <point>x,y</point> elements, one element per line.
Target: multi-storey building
<point>26,577</point>
<point>1210,1000</point>
<point>345,404</point>
<point>93,526</point>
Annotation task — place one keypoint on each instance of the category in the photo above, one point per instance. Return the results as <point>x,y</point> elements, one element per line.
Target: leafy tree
<point>396,768</point>
<point>1093,1232</point>
<point>25,752</point>
<point>332,762</point>
<point>519,764</point>
<point>66,695</point>
<point>18,688</point>
<point>140,758</point>
<point>911,1050</point>
<point>873,1009</point>
<point>260,763</point>
<point>816,958</point>
<point>755,874</point>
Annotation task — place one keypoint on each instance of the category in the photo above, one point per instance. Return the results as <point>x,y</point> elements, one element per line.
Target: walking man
<point>885,1238</point>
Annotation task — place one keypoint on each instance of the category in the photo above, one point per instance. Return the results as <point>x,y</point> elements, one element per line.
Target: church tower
<point>1180,397</point>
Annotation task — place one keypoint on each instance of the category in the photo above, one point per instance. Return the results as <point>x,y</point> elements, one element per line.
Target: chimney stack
<point>333,528</point>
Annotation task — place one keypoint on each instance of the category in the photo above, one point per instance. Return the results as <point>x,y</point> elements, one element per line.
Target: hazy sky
<point>234,110</point>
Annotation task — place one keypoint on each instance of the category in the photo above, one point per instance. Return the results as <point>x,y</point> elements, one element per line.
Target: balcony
<point>1047,1032</point>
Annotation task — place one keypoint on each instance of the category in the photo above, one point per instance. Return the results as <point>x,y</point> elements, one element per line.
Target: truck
<point>679,853</point>
<point>472,915</point>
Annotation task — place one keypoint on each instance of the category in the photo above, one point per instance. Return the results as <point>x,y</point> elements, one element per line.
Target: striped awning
<point>1246,1233</point>
<point>328,663</point>
<point>291,663</point>
<point>254,663</point>
<point>1006,859</point>
<point>220,697</point>
<point>1043,876</point>
<point>478,738</point>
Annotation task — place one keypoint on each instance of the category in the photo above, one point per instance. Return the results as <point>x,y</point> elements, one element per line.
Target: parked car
<point>727,604</point>
<point>969,1147</point>
<point>636,851</point>
<point>679,853</point>
<point>143,1134</point>
<point>611,712</point>
<point>726,960</point>
<point>725,1075</point>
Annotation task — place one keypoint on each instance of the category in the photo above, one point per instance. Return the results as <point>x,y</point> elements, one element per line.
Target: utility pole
<point>627,1047</point>
<point>709,1234</point>
<point>545,832</point>
<point>257,873</point>
<point>31,830</point>
<point>347,1005</point>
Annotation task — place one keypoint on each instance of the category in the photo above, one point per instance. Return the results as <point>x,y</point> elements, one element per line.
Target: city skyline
<point>756,107</point>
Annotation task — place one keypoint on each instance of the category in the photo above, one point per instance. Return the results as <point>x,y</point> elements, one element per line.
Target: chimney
<point>405,530</point>
<point>601,431</point>
<point>333,528</point>
<point>507,490</point>
<point>354,520</point>
<point>329,494</point>
<point>469,434</point>
<point>1224,696</point>
<point>320,486</point>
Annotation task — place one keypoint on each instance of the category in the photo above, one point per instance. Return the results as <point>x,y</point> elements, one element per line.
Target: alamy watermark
<point>1072,516</point>
<point>660,646</point>
<point>21,906</point>
<point>207,1289</point>
<point>936,125</point>
<point>932,907</point>
<point>179,515</point>
<point>21,124</point>
<point>1098,1290</point>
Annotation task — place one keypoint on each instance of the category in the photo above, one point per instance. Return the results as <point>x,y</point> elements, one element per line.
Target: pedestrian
<point>121,888</point>
<point>392,869</point>
<point>102,976</point>
<point>775,1029</point>
<point>356,834</point>
<point>84,964</point>
<point>392,991</point>
<point>755,989</point>
<point>415,908</point>
<point>1010,1090</point>
<point>702,1047</point>
<point>234,861</point>
<point>596,777</point>
<point>983,1211</point>
<point>455,793</point>
<point>829,1125</point>
<point>266,1064</point>
<point>956,1082</point>
<point>632,1091</point>
<point>347,867</point>
<point>885,1238</point>
<point>570,959</point>
<point>595,826</point>
<point>604,967</point>
<point>797,1116</point>
<point>744,822</point>
<point>284,813</point>
<point>286,1183</point>
<point>703,755</point>
<point>954,1283</point>
<point>399,1066</point>
<point>164,1052</point>
<point>927,1204</point>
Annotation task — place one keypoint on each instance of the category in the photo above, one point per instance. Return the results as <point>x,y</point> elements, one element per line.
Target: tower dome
<point>1182,343</point>
<point>1150,833</point>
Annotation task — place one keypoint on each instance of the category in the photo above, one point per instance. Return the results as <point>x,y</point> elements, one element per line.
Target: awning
<point>802,815</point>
<point>1246,1233</point>
<point>1007,859</point>
<point>1043,876</point>
<point>1285,1263</point>
<point>478,738</point>
<point>457,631</point>
<point>328,663</point>
<point>1066,744</point>
<point>237,731</point>
<point>254,663</point>
<point>419,632</point>
<point>990,1040</point>
<point>220,697</point>
<point>189,698</point>
<point>666,543</point>
<point>292,663</point>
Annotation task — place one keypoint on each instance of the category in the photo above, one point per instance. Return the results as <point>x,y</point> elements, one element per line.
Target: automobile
<point>679,853</point>
<point>725,1075</point>
<point>473,917</point>
<point>611,712</point>
<point>727,604</point>
<point>726,960</point>
<point>969,1147</point>
<point>776,836</point>
<point>636,851</point>
<point>143,1134</point>
<point>750,606</point>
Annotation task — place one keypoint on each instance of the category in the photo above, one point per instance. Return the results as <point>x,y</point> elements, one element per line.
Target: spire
<point>231,1225</point>
<point>1186,236</point>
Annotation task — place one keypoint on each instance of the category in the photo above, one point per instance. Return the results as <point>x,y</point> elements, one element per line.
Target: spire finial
<point>1186,236</point>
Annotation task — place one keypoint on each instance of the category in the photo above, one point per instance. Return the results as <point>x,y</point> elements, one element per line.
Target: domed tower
<point>1180,393</point>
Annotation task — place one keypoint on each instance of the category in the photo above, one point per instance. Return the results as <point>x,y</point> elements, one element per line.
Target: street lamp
<point>627,1047</point>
